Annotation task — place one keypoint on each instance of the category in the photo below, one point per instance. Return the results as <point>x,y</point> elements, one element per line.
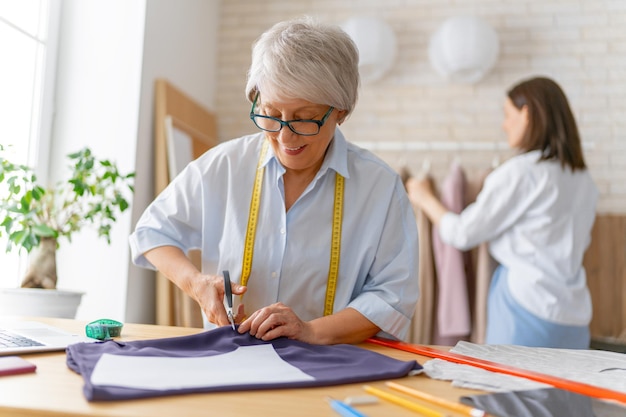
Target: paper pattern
<point>246,365</point>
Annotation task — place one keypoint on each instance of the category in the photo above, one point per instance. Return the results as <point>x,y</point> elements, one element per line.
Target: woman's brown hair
<point>551,125</point>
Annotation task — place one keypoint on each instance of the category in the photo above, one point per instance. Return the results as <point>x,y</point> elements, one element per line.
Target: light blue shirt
<point>537,218</point>
<point>207,206</point>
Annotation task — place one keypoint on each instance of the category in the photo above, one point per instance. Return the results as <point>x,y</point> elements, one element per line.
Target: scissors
<point>229,299</point>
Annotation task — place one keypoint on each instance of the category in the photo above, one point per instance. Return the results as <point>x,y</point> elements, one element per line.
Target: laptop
<point>19,337</point>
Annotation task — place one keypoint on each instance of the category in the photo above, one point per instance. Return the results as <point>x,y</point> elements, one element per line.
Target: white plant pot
<point>38,302</point>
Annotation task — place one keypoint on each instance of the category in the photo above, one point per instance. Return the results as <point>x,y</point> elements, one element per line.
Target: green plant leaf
<point>43,230</point>
<point>18,237</point>
<point>7,223</point>
<point>38,192</point>
<point>79,186</point>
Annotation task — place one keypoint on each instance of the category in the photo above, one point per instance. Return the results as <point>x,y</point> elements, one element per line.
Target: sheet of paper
<point>179,148</point>
<point>246,365</point>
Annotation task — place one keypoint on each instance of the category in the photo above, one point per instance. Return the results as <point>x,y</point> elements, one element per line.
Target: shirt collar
<point>336,157</point>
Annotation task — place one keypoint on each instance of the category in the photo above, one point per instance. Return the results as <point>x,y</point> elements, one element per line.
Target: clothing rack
<point>439,145</point>
<point>432,146</point>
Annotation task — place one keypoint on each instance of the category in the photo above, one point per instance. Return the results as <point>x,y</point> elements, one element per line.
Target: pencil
<point>402,402</point>
<point>461,408</point>
<point>344,409</point>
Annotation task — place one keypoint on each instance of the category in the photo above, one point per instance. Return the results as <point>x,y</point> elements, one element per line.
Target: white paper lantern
<point>376,43</point>
<point>464,49</point>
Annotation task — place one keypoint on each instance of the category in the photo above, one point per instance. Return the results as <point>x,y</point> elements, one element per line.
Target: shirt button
<point>282,230</point>
<point>274,274</point>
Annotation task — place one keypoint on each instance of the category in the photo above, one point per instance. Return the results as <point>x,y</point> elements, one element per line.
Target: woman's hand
<point>208,291</point>
<point>277,320</point>
<point>419,190</point>
<point>422,195</point>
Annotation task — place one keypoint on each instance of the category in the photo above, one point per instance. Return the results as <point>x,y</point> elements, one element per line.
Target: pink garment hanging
<point>453,321</point>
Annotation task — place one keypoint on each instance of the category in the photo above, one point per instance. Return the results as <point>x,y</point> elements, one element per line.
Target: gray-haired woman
<point>318,235</point>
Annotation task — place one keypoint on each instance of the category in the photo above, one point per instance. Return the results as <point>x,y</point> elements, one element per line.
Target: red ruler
<point>566,384</point>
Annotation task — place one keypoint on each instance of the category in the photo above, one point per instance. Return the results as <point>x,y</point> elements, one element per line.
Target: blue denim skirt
<point>508,323</point>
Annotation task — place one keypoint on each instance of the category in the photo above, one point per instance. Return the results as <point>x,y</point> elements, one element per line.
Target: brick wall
<point>413,117</point>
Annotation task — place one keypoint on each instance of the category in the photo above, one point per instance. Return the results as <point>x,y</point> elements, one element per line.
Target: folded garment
<point>327,365</point>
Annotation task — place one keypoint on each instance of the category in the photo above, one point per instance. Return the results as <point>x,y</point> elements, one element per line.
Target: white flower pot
<point>38,302</point>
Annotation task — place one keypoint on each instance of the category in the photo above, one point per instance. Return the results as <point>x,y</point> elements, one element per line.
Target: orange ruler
<point>566,384</point>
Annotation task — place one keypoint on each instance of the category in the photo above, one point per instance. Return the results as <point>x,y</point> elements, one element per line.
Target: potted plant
<point>36,219</point>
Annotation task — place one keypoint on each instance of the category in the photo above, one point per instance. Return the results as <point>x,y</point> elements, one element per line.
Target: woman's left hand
<point>276,320</point>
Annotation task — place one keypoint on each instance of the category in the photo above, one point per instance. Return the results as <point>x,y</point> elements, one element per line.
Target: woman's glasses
<point>302,127</point>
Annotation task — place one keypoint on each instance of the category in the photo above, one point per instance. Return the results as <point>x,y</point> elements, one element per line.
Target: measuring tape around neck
<point>335,249</point>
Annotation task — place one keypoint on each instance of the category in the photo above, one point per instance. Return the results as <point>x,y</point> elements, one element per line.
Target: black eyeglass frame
<point>288,123</point>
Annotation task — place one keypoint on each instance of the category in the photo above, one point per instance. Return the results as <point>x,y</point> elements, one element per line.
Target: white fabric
<point>594,367</point>
<point>207,207</point>
<point>537,218</point>
<point>472,377</point>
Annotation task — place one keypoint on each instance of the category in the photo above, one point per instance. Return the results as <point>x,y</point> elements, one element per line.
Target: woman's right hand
<point>421,193</point>
<point>208,291</point>
<point>419,190</point>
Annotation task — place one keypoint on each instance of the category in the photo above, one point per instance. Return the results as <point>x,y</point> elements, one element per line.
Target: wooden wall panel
<point>605,263</point>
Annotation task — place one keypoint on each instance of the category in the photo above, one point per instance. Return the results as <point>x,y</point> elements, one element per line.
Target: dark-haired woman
<point>536,211</point>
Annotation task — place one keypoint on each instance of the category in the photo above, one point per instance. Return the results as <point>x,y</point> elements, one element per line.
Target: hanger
<point>426,162</point>
<point>425,171</point>
<point>495,162</point>
<point>402,159</point>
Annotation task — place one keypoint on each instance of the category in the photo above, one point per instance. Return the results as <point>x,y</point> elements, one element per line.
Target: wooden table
<point>55,390</point>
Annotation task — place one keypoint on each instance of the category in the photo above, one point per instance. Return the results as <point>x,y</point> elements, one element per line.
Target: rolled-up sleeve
<point>171,220</point>
<point>504,198</point>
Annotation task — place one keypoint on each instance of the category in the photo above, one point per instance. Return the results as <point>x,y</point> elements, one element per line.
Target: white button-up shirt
<point>537,218</point>
<point>207,207</point>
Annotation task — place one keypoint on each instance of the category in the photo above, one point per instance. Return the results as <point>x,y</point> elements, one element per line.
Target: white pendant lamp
<point>376,43</point>
<point>464,49</point>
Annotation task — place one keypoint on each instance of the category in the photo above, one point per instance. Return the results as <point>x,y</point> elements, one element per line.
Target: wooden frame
<point>181,111</point>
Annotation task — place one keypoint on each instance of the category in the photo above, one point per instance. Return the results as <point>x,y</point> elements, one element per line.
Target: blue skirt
<point>508,323</point>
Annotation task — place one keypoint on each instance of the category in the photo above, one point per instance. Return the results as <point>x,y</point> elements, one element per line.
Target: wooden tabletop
<point>55,390</point>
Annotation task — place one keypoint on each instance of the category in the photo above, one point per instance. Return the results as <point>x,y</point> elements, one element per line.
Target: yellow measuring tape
<point>335,249</point>
<point>253,217</point>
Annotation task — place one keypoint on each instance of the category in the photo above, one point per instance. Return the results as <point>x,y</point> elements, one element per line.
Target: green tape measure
<point>103,329</point>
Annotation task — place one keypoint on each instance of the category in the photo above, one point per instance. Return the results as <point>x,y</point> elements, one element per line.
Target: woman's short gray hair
<point>305,59</point>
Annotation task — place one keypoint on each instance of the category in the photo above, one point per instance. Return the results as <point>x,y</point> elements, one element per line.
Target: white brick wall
<point>413,115</point>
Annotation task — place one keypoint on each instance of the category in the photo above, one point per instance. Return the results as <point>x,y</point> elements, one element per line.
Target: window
<point>28,46</point>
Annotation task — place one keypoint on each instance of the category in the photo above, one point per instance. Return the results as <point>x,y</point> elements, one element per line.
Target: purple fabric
<point>453,312</point>
<point>329,365</point>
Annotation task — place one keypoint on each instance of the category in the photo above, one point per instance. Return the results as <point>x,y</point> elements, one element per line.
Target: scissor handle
<point>227,289</point>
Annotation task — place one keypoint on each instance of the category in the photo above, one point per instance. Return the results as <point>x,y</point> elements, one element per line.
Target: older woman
<point>318,235</point>
<point>536,211</point>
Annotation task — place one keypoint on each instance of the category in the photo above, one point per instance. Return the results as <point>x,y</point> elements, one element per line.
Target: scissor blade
<point>231,319</point>
<point>229,299</point>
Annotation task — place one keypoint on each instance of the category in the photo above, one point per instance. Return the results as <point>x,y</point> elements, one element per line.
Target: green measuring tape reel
<point>103,329</point>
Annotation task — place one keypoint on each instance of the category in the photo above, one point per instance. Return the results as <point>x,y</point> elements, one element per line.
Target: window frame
<point>40,136</point>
